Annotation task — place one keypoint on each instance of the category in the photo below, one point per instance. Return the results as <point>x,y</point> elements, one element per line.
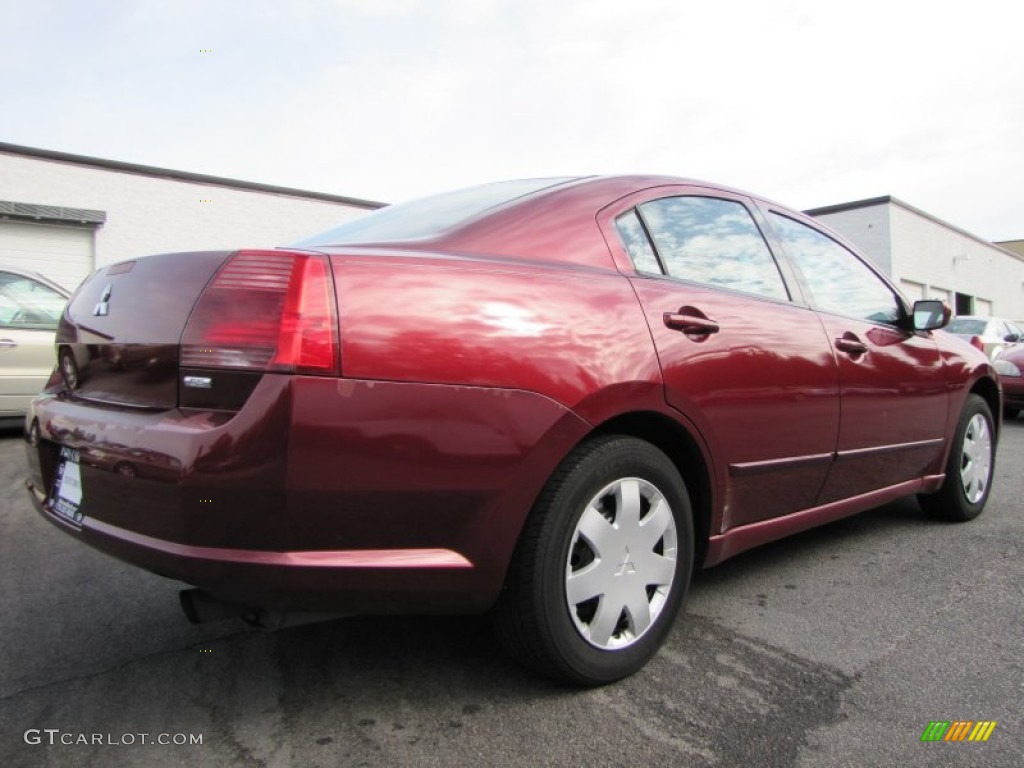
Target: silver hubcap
<point>976,459</point>
<point>621,563</point>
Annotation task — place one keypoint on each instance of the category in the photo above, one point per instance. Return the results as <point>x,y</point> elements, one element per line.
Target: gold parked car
<point>30,308</point>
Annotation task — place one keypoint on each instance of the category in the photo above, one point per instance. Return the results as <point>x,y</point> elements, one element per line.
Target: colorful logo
<point>958,730</point>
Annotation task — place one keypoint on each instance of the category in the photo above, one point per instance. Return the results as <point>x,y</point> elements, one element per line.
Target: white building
<point>64,215</point>
<point>930,258</point>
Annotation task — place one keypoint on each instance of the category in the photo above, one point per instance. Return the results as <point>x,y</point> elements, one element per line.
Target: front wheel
<point>602,566</point>
<point>970,467</point>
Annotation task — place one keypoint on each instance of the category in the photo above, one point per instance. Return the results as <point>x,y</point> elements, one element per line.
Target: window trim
<point>635,211</point>
<point>623,262</point>
<point>789,297</point>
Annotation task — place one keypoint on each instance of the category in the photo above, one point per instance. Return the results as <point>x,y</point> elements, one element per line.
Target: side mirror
<point>1013,338</point>
<point>931,314</point>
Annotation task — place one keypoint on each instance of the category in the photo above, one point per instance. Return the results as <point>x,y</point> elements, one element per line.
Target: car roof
<point>35,276</point>
<point>557,218</point>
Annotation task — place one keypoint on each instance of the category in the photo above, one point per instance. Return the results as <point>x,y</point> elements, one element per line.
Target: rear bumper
<point>358,580</point>
<point>319,495</point>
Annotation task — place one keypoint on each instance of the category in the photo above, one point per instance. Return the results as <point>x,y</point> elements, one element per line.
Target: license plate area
<point>66,496</point>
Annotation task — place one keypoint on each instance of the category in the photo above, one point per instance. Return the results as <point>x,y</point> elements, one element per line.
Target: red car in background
<point>1010,366</point>
<point>548,399</point>
<point>992,335</point>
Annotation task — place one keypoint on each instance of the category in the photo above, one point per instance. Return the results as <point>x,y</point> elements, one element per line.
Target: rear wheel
<point>1010,412</point>
<point>970,467</point>
<point>602,566</point>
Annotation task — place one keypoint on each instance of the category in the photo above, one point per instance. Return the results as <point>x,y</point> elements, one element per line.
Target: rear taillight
<point>266,311</point>
<point>977,343</point>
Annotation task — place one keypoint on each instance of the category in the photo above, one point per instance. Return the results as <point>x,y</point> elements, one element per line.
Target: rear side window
<point>715,242</point>
<point>28,304</point>
<point>637,244</point>
<point>840,283</point>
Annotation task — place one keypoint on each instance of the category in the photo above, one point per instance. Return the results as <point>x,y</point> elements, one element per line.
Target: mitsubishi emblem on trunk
<point>103,308</point>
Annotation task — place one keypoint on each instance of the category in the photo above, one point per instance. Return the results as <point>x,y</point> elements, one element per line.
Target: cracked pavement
<point>833,648</point>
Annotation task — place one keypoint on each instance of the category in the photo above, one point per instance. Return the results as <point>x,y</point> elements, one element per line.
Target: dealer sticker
<point>67,488</point>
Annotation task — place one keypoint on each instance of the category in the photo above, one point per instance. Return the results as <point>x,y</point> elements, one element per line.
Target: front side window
<point>28,304</point>
<point>715,242</point>
<point>839,282</point>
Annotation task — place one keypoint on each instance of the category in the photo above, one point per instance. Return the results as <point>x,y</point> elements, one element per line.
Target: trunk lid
<point>118,341</point>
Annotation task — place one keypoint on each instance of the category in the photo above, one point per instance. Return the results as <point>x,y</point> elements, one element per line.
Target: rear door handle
<point>690,324</point>
<point>8,343</point>
<point>851,346</point>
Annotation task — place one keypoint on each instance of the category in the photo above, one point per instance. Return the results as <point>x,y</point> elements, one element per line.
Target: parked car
<point>992,335</point>
<point>548,399</point>
<point>30,307</point>
<point>1010,365</point>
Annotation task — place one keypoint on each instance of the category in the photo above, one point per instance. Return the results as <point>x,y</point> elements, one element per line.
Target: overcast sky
<point>807,102</point>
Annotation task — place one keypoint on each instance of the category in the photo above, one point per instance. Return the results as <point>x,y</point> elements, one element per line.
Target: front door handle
<point>690,324</point>
<point>11,343</point>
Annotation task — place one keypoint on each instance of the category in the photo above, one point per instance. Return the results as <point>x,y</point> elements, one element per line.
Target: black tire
<point>1011,413</point>
<point>534,618</point>
<point>957,500</point>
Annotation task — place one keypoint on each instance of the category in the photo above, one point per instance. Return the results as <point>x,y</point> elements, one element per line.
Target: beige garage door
<point>913,291</point>
<point>62,253</point>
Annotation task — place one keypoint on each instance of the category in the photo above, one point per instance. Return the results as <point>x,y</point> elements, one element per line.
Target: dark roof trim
<point>167,173</point>
<point>826,209</point>
<point>890,200</point>
<point>51,213</point>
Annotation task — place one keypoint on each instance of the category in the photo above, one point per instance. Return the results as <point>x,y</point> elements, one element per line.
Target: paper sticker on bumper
<point>67,488</point>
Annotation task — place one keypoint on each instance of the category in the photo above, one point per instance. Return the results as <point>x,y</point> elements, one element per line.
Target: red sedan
<point>548,399</point>
<point>1010,366</point>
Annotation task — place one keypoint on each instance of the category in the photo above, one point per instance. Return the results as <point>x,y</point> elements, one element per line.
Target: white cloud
<point>806,102</point>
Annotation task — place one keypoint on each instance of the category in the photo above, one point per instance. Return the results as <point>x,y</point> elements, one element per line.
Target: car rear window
<point>429,216</point>
<point>967,325</point>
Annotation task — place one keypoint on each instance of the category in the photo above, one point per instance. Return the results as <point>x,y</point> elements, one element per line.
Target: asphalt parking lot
<point>836,647</point>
